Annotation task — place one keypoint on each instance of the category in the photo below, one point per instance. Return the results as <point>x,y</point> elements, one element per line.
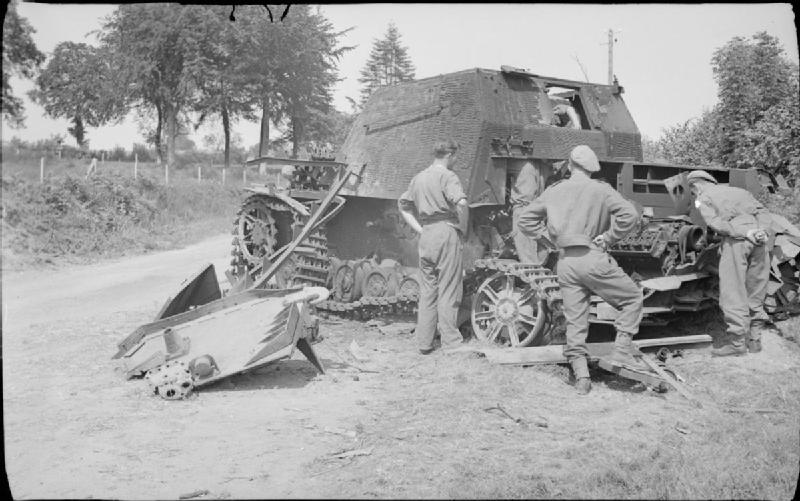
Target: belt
<point>573,240</point>
<point>424,221</point>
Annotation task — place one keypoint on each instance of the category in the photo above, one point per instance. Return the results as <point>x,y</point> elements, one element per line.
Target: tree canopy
<point>388,64</point>
<point>756,121</point>
<point>20,58</point>
<point>75,84</point>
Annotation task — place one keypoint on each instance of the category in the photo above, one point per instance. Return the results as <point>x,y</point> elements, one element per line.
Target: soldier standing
<point>742,222</point>
<point>584,216</point>
<point>441,205</point>
<point>529,185</point>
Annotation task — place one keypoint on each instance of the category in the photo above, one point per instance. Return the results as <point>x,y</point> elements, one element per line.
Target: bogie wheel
<point>508,311</point>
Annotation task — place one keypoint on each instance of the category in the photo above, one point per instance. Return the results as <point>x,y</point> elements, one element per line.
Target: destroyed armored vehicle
<point>366,254</point>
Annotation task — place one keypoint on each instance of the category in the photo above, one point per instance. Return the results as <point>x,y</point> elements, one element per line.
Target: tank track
<point>374,307</point>
<point>306,268</point>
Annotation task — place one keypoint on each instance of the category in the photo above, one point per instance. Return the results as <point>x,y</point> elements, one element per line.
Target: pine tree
<point>388,64</point>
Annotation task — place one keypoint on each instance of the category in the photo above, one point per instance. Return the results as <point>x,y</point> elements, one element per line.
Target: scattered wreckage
<point>331,222</point>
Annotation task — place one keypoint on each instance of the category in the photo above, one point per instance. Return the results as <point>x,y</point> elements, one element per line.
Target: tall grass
<point>78,219</point>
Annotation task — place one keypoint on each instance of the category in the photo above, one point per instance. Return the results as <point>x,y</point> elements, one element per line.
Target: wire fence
<point>52,167</point>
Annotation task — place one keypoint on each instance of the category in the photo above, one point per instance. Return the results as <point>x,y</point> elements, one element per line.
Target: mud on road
<point>383,422</point>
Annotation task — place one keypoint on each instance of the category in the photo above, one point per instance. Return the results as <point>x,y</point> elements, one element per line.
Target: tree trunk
<point>263,144</point>
<point>157,139</point>
<point>226,127</point>
<point>171,133</point>
<point>296,136</point>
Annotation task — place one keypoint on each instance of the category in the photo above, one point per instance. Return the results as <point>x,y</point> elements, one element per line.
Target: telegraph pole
<point>610,56</point>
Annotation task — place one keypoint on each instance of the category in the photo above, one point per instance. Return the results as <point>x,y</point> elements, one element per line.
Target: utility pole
<point>610,56</point>
<point>610,44</point>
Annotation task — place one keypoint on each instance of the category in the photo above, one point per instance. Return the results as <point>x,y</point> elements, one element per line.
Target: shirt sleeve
<point>526,187</point>
<point>453,191</point>
<point>713,219</point>
<point>623,216</point>
<point>533,217</point>
<point>405,202</point>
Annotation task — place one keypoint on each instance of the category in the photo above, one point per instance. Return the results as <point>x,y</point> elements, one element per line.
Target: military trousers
<point>743,278</point>
<point>440,251</point>
<point>583,271</point>
<point>530,250</point>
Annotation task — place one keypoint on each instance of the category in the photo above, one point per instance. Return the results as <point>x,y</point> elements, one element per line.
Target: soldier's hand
<point>600,241</point>
<point>757,236</point>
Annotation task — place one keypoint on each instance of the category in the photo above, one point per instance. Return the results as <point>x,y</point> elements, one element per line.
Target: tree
<point>155,53</point>
<point>20,58</point>
<point>388,64</point>
<point>306,87</point>
<point>756,121</point>
<point>221,74</point>
<point>75,85</point>
<point>692,143</point>
<point>752,76</point>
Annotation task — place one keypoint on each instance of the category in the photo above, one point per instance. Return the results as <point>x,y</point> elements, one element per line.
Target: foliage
<point>21,58</point>
<point>756,122</point>
<point>154,49</point>
<point>388,64</point>
<point>76,85</point>
<point>104,215</point>
<point>692,143</point>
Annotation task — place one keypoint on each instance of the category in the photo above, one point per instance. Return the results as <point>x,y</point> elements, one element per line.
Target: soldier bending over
<point>742,222</point>
<point>584,216</point>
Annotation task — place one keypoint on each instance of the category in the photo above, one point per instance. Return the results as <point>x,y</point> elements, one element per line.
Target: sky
<point>661,55</point>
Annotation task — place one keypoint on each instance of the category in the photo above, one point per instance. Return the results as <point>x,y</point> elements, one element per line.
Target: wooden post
<point>135,165</point>
<point>104,156</point>
<point>166,173</point>
<point>199,174</point>
<point>41,170</point>
<point>244,175</point>
<point>223,176</point>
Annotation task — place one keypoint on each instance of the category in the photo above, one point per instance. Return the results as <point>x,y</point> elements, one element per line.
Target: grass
<point>68,218</point>
<point>434,438</point>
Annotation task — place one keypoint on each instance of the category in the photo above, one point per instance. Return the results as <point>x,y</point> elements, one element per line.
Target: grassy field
<point>68,218</point>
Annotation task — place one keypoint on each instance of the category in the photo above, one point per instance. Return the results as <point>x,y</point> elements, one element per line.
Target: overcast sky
<point>662,52</point>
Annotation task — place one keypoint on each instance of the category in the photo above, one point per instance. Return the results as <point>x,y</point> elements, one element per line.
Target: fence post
<point>166,173</point>
<point>199,173</point>
<point>135,165</point>
<point>244,175</point>
<point>104,156</point>
<point>223,176</point>
<point>41,170</point>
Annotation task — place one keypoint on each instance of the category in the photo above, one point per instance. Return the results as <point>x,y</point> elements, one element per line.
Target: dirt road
<point>420,426</point>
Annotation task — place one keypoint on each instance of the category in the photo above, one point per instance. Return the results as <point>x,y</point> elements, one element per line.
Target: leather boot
<point>734,347</point>
<point>753,345</point>
<point>580,369</point>
<point>624,352</point>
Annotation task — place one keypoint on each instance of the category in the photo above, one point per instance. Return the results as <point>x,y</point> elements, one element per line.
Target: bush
<point>74,217</point>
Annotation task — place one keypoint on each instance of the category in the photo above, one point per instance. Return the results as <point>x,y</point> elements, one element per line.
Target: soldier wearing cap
<point>584,216</point>
<point>743,223</point>
<point>438,199</point>
<point>529,185</point>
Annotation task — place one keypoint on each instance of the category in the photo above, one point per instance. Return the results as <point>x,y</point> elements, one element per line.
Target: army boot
<point>754,338</point>
<point>734,347</point>
<point>580,369</point>
<point>624,353</point>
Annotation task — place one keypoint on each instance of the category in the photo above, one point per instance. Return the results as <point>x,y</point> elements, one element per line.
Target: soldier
<point>439,200</point>
<point>743,223</point>
<point>584,216</point>
<point>529,185</point>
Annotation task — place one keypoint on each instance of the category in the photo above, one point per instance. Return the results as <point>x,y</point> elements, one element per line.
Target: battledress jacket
<point>578,209</point>
<point>732,211</point>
